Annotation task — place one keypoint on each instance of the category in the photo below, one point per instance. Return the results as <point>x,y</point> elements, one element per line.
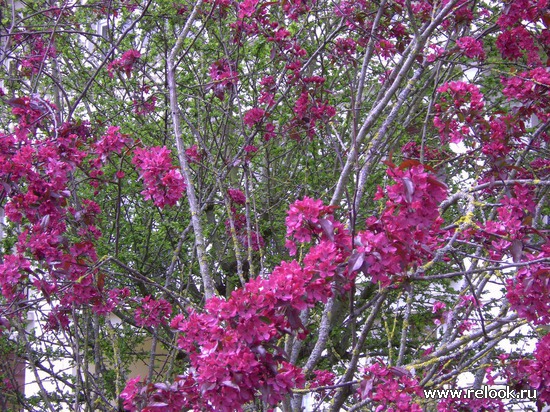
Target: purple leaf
<point>231,384</point>
<point>328,228</point>
<point>409,189</point>
<point>355,262</point>
<point>516,250</point>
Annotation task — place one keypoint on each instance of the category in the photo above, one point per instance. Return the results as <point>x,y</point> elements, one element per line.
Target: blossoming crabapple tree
<point>268,197</point>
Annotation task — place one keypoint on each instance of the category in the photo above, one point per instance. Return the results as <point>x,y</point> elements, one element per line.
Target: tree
<point>345,201</point>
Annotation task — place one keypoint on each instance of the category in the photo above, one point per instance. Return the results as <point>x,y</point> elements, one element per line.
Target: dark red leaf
<point>389,163</point>
<point>17,102</point>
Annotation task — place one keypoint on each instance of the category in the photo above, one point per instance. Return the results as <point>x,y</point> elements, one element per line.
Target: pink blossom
<point>237,196</point>
<point>253,116</point>
<point>280,35</point>
<point>164,184</point>
<point>539,376</point>
<point>58,319</point>
<point>247,8</point>
<point>516,42</point>
<point>528,293</point>
<point>193,154</point>
<point>467,300</point>
<point>530,87</point>
<point>125,63</point>
<point>145,106</point>
<point>391,388</point>
<point>471,47</point>
<point>303,218</point>
<point>518,10</point>
<point>295,8</point>
<point>438,51</point>
<point>130,394</point>
<point>152,312</point>
<point>112,142</point>
<point>458,110</point>
<point>223,76</point>
<point>267,81</point>
<point>386,48</point>
<point>41,50</point>
<point>344,50</point>
<point>438,306</point>
<point>322,378</point>
<point>13,268</point>
<point>269,132</point>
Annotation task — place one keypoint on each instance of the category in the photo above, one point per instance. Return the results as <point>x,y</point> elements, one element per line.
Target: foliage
<point>261,203</point>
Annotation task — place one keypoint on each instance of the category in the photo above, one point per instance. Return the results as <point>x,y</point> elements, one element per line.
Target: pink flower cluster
<point>539,370</point>
<point>518,36</point>
<point>519,10</point>
<point>164,184</point>
<point>295,8</point>
<point>458,110</point>
<point>344,51</point>
<point>532,88</point>
<point>152,312</point>
<point>385,48</point>
<point>471,47</point>
<point>534,373</point>
<point>501,130</point>
<point>194,154</point>
<point>229,343</point>
<point>125,63</point>
<point>12,269</point>
<point>162,397</point>
<point>515,43</point>
<point>505,235</point>
<point>392,389</point>
<point>145,106</point>
<point>223,76</point>
<point>112,142</point>
<point>236,196</point>
<point>308,112</point>
<point>437,52</point>
<point>384,250</point>
<point>267,95</point>
<point>35,173</point>
<point>58,319</point>
<point>41,50</point>
<point>114,298</point>
<point>528,293</point>
<point>247,8</point>
<point>309,218</point>
<point>322,378</point>
<point>254,116</point>
<point>462,13</point>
